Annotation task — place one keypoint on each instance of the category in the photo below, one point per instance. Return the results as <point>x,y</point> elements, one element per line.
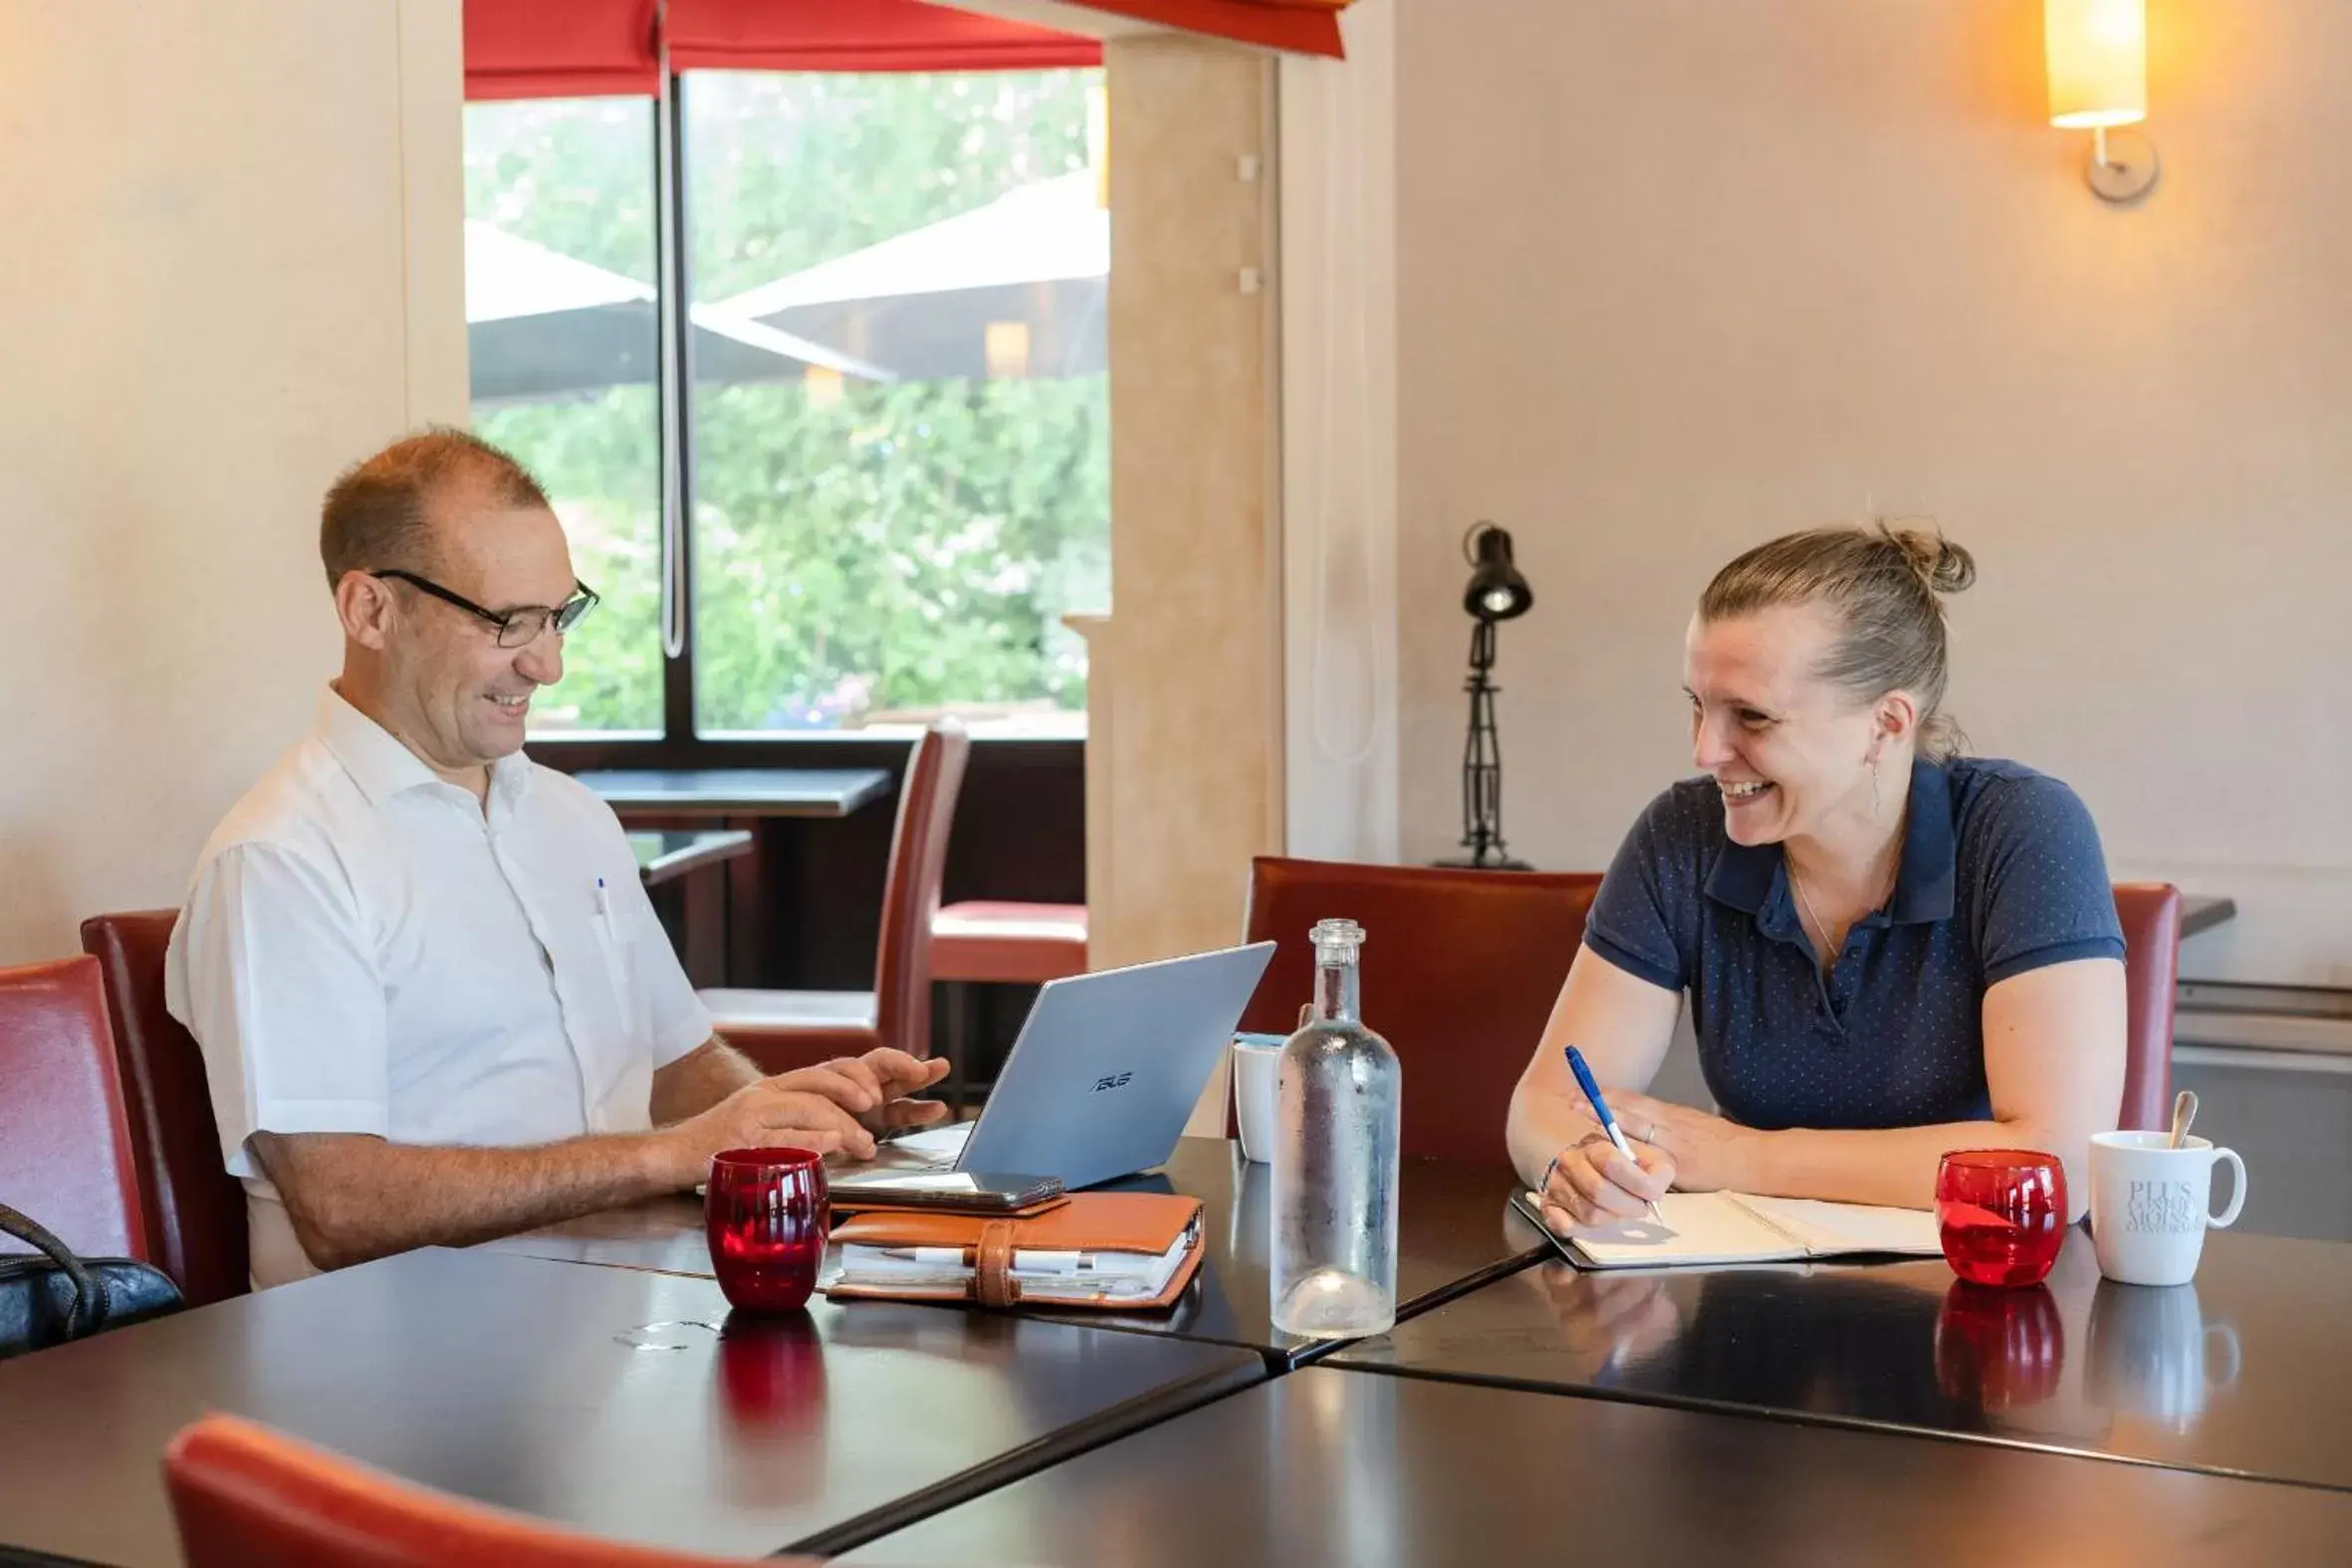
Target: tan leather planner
<point>1120,1251</point>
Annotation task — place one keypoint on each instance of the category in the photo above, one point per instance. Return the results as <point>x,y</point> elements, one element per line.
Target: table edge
<point>1695,1405</point>
<point>1134,1413</point>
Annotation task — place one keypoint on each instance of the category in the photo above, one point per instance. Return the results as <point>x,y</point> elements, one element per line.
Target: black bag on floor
<point>48,1299</point>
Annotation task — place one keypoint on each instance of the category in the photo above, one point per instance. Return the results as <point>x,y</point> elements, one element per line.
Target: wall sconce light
<point>2098,65</point>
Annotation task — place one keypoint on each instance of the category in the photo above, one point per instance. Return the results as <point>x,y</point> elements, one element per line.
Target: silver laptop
<point>1103,1079</point>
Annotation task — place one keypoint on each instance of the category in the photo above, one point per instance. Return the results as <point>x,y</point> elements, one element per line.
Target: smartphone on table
<point>958,1192</point>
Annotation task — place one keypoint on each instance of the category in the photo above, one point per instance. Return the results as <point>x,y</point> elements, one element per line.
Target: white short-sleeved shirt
<point>364,950</point>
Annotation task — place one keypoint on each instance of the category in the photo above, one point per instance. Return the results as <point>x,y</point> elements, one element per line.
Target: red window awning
<point>861,35</point>
<point>560,48</point>
<point>1309,27</point>
<point>585,48</point>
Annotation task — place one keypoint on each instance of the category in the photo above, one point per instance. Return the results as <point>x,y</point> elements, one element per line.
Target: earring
<point>1874,803</point>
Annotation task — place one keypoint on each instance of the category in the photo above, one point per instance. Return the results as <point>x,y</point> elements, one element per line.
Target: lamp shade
<point>2098,62</point>
<point>1496,590</point>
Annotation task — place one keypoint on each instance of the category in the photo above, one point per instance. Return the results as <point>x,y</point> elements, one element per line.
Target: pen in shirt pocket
<point>604,911</point>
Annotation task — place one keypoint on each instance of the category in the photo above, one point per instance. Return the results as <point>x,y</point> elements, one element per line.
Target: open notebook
<point>1741,1228</point>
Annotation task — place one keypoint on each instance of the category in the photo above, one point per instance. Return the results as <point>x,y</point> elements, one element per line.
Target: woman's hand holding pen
<point>1591,1185</point>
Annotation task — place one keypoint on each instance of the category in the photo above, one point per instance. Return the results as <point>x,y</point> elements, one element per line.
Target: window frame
<point>680,746</point>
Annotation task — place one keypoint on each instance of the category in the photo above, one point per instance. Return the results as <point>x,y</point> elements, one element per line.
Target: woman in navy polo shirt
<point>1890,950</point>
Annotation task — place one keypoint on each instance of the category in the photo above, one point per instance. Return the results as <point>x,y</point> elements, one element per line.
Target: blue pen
<point>1600,1109</point>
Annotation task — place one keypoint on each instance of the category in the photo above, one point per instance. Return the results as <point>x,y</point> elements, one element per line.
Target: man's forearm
<point>699,1080</point>
<point>352,1197</point>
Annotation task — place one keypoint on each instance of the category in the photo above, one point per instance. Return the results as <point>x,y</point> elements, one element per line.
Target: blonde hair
<point>1884,584</point>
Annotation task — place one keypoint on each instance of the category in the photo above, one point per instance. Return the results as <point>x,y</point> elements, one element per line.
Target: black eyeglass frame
<point>561,617</point>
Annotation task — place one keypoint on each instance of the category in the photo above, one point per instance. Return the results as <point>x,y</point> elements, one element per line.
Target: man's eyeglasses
<point>516,627</point>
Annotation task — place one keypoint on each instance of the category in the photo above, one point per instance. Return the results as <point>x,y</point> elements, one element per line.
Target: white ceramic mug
<point>1255,1097</point>
<point>2152,1204</point>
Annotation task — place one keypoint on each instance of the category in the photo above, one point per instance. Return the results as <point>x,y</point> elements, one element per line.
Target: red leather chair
<point>247,1498</point>
<point>2150,913</point>
<point>980,941</point>
<point>65,1143</point>
<point>1475,961</point>
<point>196,1210</point>
<point>784,1029</point>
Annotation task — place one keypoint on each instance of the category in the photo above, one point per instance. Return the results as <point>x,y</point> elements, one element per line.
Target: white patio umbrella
<point>542,325</point>
<point>1015,288</point>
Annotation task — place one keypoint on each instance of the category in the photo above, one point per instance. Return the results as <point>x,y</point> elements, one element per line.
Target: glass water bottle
<point>1336,1160</point>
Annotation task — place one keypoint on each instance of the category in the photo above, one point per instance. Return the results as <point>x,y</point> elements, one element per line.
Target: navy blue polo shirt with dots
<point>2001,873</point>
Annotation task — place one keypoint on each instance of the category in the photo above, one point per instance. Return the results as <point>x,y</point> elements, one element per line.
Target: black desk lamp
<point>1496,593</point>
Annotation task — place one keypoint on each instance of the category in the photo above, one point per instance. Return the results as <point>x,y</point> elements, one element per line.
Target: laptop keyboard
<point>934,1146</point>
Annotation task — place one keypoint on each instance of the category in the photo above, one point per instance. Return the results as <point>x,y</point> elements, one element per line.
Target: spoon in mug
<point>2184,1112</point>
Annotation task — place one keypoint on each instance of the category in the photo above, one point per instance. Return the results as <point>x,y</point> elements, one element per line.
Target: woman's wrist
<point>1751,1160</point>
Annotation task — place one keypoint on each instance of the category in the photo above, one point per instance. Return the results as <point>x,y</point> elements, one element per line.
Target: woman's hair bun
<point>1940,566</point>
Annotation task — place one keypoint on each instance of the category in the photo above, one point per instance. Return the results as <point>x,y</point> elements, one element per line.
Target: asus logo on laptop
<point>1117,1080</point>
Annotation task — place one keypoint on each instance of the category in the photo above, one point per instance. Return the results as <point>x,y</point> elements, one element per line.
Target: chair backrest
<point>196,1210</point>
<point>2150,913</point>
<point>245,1496</point>
<point>64,1140</point>
<point>910,891</point>
<point>1476,961</point>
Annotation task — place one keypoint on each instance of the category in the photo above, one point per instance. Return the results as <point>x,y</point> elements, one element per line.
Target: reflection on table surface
<point>1456,1229</point>
<point>1332,1465</point>
<point>628,1404</point>
<point>2243,1371</point>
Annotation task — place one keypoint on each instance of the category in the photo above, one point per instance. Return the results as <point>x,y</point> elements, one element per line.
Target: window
<point>896,448</point>
<point>563,336</point>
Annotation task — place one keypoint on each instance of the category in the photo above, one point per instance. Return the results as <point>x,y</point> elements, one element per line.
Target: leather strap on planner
<point>992,1283</point>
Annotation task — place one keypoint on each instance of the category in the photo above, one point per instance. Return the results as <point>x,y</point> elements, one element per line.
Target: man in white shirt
<point>434,1001</point>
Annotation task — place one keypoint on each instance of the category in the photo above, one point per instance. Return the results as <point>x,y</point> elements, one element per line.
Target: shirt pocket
<point>617,1052</point>
<point>616,953</point>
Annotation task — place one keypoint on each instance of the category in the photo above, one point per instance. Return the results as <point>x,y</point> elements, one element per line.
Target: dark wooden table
<point>664,857</point>
<point>2242,1373</point>
<point>684,874</point>
<point>614,1401</point>
<point>741,798</point>
<point>2204,911</point>
<point>740,792</point>
<point>1456,1230</point>
<point>1328,1466</point>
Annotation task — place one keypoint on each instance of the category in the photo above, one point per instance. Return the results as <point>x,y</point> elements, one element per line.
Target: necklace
<point>1820,926</point>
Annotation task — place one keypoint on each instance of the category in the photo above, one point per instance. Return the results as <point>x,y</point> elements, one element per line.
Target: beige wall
<point>1676,275</point>
<point>1184,694</point>
<point>1339,442</point>
<point>1183,766</point>
<point>233,264</point>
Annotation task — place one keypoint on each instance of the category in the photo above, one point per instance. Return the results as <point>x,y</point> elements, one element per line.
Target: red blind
<point>860,35</point>
<point>578,48</point>
<point>1309,27</point>
<point>558,48</point>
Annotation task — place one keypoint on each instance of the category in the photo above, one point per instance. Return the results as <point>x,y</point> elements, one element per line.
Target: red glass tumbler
<point>766,1214</point>
<point>2001,1213</point>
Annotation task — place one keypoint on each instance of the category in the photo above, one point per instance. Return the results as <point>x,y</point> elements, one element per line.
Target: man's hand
<point>874,1087</point>
<point>766,1114</point>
